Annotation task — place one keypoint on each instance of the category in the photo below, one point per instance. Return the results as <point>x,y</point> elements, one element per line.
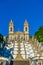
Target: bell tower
<point>11,30</point>
<point>11,27</point>
<point>26,30</point>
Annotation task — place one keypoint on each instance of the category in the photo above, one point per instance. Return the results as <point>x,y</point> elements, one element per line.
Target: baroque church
<point>18,35</point>
<point>12,35</point>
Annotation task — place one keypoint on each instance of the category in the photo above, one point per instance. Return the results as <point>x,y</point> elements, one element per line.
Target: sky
<point>19,11</point>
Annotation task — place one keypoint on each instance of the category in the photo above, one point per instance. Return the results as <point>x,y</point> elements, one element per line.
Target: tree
<point>1,39</point>
<point>39,34</point>
<point>30,36</point>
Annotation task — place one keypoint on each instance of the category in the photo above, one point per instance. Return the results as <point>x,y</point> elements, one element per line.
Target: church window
<point>11,38</point>
<point>11,29</point>
<point>26,28</point>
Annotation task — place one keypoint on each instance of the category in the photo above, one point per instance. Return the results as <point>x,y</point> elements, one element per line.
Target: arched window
<point>11,29</point>
<point>10,38</point>
<point>26,28</point>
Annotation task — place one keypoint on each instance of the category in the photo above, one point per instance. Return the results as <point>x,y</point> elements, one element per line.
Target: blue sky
<point>18,11</point>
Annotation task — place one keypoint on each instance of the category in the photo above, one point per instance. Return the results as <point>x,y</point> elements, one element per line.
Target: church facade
<point>12,35</point>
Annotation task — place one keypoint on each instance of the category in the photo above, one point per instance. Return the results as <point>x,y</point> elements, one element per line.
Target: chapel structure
<point>12,35</point>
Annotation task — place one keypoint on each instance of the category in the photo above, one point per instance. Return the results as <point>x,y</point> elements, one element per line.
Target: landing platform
<point>21,63</point>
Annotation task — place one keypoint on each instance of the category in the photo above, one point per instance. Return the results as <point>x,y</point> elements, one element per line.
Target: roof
<point>19,32</point>
<point>26,22</point>
<point>11,22</point>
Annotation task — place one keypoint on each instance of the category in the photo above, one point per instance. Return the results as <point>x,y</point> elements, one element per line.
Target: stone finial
<point>26,22</point>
